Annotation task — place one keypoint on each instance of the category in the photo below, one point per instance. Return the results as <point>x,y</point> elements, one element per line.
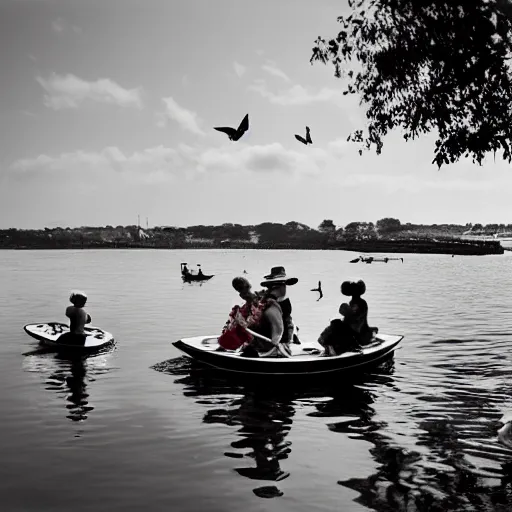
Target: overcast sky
<point>107,110</point>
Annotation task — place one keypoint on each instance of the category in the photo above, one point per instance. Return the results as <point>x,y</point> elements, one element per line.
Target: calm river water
<point>138,429</point>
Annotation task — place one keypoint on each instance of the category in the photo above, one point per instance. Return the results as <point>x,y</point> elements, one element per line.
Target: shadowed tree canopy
<point>327,226</point>
<point>429,65</point>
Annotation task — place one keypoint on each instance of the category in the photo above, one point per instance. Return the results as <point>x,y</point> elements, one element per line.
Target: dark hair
<point>239,283</point>
<point>351,288</point>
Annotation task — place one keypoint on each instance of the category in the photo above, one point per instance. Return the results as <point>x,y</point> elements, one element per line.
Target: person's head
<point>276,282</point>
<point>353,288</point>
<point>78,299</point>
<point>277,289</point>
<point>243,287</point>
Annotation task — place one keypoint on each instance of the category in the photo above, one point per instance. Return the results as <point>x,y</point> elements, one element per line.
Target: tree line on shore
<point>267,234</point>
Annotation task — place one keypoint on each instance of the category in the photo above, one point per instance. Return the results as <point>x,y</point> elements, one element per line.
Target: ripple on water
<point>418,435</point>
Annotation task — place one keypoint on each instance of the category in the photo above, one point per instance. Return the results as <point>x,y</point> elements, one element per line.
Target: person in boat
<point>185,270</point>
<point>276,322</point>
<point>263,315</point>
<point>200,272</point>
<point>233,334</point>
<point>276,283</point>
<point>353,331</point>
<point>78,318</point>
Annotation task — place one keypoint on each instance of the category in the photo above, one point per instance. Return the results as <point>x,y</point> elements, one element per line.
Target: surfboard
<point>48,334</point>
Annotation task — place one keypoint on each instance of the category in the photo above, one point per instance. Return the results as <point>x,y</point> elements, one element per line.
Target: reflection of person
<point>77,387</point>
<point>78,318</point>
<point>264,424</point>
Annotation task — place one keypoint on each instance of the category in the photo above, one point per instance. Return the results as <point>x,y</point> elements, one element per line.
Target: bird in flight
<point>306,140</point>
<point>235,134</point>
<point>319,290</point>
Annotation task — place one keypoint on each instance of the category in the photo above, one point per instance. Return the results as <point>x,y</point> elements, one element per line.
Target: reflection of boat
<point>260,415</point>
<point>371,259</point>
<point>189,277</point>
<point>306,358</point>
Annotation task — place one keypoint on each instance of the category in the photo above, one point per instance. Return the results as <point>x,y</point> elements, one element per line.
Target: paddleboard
<point>48,334</point>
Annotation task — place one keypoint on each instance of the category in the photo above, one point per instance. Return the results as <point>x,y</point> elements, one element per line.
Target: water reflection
<point>443,461</point>
<point>69,376</point>
<point>264,413</point>
<point>440,457</point>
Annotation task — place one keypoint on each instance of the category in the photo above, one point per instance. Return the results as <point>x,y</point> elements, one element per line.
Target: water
<point>139,429</point>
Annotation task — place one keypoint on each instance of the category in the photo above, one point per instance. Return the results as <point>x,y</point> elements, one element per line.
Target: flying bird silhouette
<point>306,140</point>
<point>235,134</point>
<point>319,290</point>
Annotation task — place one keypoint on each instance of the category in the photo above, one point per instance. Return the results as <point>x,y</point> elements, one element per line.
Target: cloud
<point>271,67</point>
<point>336,166</point>
<point>69,91</point>
<point>239,69</point>
<point>259,159</point>
<point>299,95</point>
<point>60,25</point>
<point>187,119</point>
<point>165,163</point>
<point>149,165</point>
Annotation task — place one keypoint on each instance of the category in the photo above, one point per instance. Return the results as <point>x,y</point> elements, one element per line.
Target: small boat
<point>189,277</point>
<point>195,277</point>
<point>371,259</point>
<point>306,359</point>
<point>48,335</point>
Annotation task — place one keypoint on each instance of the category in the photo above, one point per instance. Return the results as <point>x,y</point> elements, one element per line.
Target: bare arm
<point>289,328</point>
<point>273,315</point>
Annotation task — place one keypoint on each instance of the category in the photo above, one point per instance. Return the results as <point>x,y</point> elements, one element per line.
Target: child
<point>355,313</point>
<point>78,317</point>
<point>353,331</point>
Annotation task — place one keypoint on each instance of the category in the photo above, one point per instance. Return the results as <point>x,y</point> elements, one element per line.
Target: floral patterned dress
<point>234,334</point>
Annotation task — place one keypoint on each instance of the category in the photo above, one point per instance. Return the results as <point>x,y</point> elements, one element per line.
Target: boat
<point>371,259</point>
<point>306,359</point>
<point>195,277</point>
<point>49,333</point>
<point>189,277</point>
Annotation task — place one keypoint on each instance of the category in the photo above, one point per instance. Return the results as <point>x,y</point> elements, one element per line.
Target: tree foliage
<point>327,226</point>
<point>429,65</point>
<point>388,225</point>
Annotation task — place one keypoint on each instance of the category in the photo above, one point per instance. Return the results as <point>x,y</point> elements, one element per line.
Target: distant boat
<point>189,277</point>
<point>371,259</point>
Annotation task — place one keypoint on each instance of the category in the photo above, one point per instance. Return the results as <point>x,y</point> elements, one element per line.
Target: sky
<point>107,111</point>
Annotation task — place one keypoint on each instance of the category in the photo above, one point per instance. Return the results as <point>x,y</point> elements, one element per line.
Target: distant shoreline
<point>458,247</point>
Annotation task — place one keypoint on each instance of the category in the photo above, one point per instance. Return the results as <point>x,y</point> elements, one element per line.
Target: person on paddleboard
<point>78,318</point>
